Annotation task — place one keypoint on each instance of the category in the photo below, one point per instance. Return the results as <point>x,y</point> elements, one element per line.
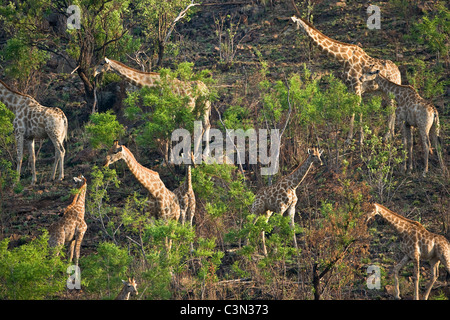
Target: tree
<point>158,19</point>
<point>43,25</point>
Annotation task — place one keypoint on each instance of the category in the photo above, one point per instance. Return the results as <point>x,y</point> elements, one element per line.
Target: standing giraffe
<point>412,111</point>
<point>71,227</point>
<point>34,121</point>
<point>281,196</point>
<point>193,89</point>
<point>355,62</point>
<point>418,244</point>
<point>129,288</point>
<point>163,200</point>
<point>186,198</point>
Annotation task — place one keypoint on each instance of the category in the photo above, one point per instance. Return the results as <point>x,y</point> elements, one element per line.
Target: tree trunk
<point>316,282</point>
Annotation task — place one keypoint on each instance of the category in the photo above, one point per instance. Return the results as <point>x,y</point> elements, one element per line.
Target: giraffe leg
<point>397,268</point>
<point>263,234</point>
<point>434,265</point>
<point>59,158</point>
<point>71,249</point>
<point>81,231</point>
<point>416,278</point>
<point>426,149</point>
<point>350,130</point>
<point>19,141</point>
<point>408,144</point>
<point>291,213</point>
<point>30,145</point>
<point>206,138</point>
<point>361,130</point>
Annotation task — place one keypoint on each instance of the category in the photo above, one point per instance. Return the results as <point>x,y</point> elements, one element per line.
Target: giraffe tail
<point>66,129</point>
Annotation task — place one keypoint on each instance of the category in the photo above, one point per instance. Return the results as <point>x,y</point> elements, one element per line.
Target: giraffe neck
<point>78,207</point>
<point>297,176</point>
<point>189,178</point>
<point>124,294</point>
<point>387,86</point>
<point>401,224</point>
<point>148,178</point>
<point>342,52</point>
<point>13,99</point>
<point>136,77</point>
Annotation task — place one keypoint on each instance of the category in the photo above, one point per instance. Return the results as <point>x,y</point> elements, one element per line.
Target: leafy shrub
<point>103,129</point>
<point>97,203</point>
<point>434,31</point>
<point>30,271</point>
<point>103,271</point>
<point>163,110</point>
<point>381,160</point>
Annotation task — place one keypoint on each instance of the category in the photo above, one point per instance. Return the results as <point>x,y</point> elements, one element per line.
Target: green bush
<point>103,129</point>
<point>162,109</point>
<point>30,271</point>
<point>433,31</point>
<point>102,272</point>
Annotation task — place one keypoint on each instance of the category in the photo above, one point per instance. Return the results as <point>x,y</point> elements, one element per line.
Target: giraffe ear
<point>107,60</point>
<point>309,151</point>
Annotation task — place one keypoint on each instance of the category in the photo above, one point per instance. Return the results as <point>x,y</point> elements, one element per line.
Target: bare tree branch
<point>180,16</point>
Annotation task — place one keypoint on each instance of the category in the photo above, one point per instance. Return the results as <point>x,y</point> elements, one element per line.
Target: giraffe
<point>129,288</point>
<point>164,201</point>
<point>186,198</point>
<point>34,121</point>
<point>355,62</point>
<point>418,244</point>
<point>412,111</point>
<point>71,227</point>
<point>281,196</point>
<point>192,89</point>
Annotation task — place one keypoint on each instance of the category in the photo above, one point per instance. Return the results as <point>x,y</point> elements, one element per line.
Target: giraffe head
<point>316,154</point>
<point>369,74</point>
<point>297,21</point>
<point>131,286</point>
<point>373,211</point>
<point>114,154</point>
<point>79,180</point>
<point>103,66</point>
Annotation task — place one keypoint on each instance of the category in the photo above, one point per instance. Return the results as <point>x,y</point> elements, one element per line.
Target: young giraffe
<point>186,198</point>
<point>71,227</point>
<point>281,196</point>
<point>34,121</point>
<point>129,288</point>
<point>355,62</point>
<point>193,89</point>
<point>164,201</point>
<point>412,111</point>
<point>417,244</point>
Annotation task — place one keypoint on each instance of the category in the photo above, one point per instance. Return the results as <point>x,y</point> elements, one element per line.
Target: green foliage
<point>22,59</point>
<point>381,161</point>
<point>103,271</point>
<point>97,203</point>
<point>163,109</point>
<point>161,263</point>
<point>427,80</point>
<point>312,103</point>
<point>103,129</point>
<point>434,31</point>
<point>8,176</point>
<point>224,189</point>
<point>30,271</point>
